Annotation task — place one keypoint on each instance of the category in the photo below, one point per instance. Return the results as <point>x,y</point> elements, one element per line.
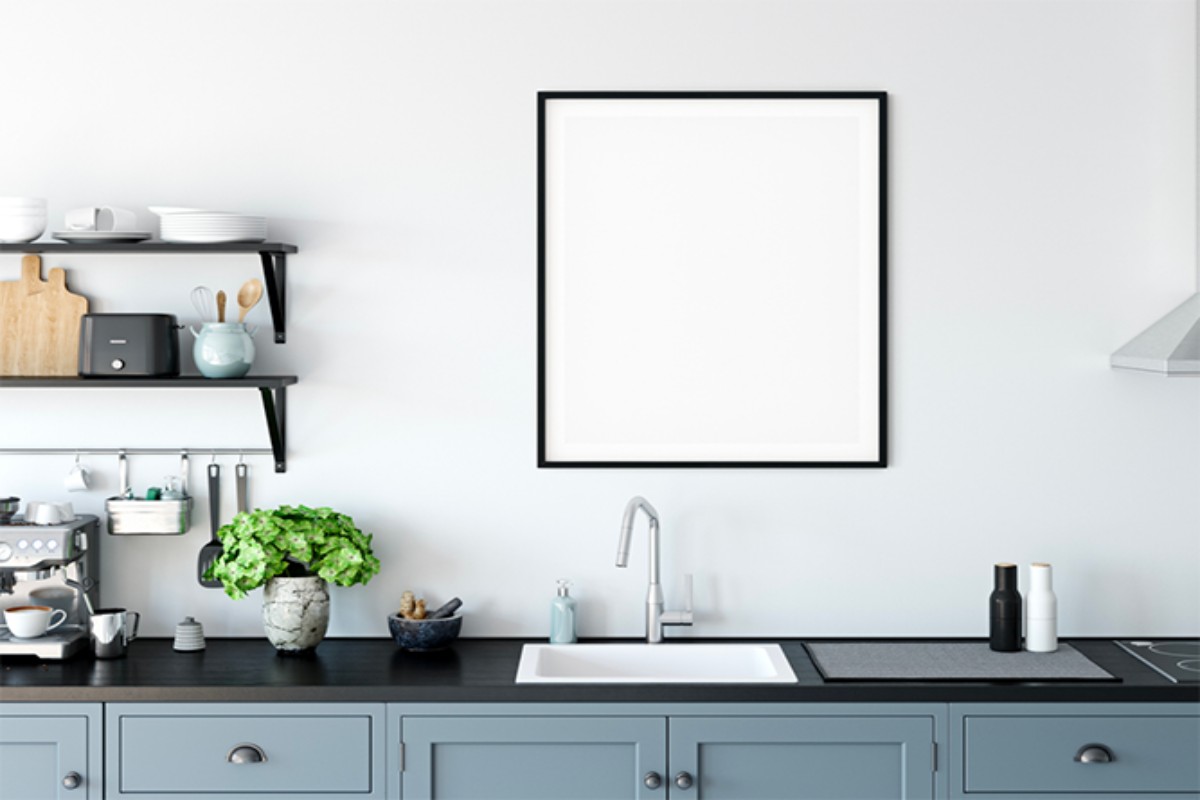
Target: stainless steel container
<point>127,516</point>
<point>162,517</point>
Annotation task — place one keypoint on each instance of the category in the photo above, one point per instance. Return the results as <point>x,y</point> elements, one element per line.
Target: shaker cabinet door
<point>802,758</point>
<point>47,757</point>
<point>532,758</point>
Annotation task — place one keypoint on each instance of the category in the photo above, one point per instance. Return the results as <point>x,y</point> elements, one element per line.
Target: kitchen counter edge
<point>483,670</point>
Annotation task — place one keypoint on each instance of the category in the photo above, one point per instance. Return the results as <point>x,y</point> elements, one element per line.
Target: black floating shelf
<point>272,254</point>
<point>148,247</point>
<point>272,388</point>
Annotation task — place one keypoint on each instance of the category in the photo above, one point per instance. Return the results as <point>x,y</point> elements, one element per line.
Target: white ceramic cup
<point>43,513</point>
<point>101,218</point>
<point>29,622</point>
<point>79,479</point>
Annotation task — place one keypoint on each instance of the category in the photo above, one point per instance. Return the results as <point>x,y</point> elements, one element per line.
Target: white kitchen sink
<point>654,663</point>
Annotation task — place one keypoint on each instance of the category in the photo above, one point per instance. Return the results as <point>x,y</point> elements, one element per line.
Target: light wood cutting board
<point>39,323</point>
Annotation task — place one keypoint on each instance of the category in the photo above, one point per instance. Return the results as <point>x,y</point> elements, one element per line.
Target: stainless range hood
<point>1170,346</point>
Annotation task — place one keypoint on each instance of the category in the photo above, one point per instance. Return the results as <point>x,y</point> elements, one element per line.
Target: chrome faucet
<point>656,617</point>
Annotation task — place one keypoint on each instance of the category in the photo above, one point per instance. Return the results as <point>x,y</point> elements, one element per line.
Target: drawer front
<point>193,754</point>
<point>1037,754</point>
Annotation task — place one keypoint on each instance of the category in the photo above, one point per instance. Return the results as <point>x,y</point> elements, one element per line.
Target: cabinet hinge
<point>935,748</point>
<point>402,756</point>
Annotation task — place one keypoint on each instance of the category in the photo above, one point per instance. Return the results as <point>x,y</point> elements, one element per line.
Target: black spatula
<point>210,551</point>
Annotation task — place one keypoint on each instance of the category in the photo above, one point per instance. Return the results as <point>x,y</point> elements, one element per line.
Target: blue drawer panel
<point>188,754</point>
<point>1037,754</point>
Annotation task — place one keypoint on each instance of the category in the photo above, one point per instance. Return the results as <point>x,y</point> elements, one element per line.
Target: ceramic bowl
<point>420,635</point>
<point>21,225</point>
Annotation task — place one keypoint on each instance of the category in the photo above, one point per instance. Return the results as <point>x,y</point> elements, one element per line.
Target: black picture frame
<point>555,107</point>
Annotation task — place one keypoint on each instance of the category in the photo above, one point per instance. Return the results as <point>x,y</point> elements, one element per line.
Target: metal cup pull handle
<point>246,753</point>
<point>1095,754</point>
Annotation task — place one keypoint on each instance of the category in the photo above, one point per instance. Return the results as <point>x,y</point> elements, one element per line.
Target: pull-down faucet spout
<point>656,617</point>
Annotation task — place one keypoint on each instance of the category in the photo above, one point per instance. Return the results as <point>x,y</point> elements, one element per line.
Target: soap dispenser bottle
<point>562,616</point>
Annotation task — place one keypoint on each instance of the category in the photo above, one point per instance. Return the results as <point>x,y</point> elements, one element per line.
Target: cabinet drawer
<point>309,754</point>
<point>1037,754</point>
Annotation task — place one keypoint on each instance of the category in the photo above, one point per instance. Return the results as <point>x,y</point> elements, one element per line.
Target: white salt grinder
<point>1041,611</point>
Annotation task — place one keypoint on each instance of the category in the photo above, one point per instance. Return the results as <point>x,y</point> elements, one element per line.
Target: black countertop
<point>483,670</point>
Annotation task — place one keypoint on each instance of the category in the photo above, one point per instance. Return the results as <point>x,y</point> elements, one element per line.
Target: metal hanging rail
<point>271,388</point>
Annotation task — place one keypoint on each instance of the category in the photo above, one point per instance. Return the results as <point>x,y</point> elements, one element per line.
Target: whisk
<point>202,301</point>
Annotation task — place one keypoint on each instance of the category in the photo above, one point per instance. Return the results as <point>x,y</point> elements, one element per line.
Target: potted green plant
<point>293,552</point>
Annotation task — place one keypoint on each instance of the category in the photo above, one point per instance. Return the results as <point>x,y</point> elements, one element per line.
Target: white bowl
<point>21,227</point>
<point>22,202</point>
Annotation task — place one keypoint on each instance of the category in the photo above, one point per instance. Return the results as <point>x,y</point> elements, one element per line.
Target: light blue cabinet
<point>1048,751</point>
<point>532,758</point>
<point>50,751</point>
<point>667,751</point>
<point>208,751</point>
<point>593,751</point>
<point>805,758</point>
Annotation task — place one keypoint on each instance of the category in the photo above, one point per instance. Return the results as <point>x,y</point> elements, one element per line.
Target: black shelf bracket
<point>275,410</point>
<point>274,263</point>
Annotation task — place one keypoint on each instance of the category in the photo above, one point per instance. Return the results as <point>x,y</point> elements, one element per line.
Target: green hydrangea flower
<point>294,541</point>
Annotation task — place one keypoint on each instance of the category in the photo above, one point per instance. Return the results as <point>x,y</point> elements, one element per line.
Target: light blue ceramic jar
<point>223,349</point>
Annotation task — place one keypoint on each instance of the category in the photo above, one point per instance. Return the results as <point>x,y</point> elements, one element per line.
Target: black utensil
<point>211,551</point>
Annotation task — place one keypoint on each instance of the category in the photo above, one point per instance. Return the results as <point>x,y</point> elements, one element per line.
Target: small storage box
<point>129,345</point>
<point>161,517</point>
<point>148,516</point>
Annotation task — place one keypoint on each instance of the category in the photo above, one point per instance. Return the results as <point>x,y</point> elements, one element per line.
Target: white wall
<point>1042,213</point>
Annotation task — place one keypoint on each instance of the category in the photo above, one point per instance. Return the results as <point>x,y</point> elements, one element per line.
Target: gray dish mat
<point>949,661</point>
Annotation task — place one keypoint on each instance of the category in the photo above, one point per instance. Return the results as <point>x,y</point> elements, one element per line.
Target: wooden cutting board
<point>39,323</point>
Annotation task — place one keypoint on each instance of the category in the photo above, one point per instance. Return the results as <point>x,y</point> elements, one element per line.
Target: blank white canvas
<point>712,280</point>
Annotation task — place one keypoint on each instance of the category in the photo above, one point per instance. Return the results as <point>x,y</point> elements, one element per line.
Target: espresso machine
<point>49,565</point>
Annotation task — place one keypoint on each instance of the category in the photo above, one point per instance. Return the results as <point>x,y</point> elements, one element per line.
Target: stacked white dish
<point>198,226</point>
<point>22,219</point>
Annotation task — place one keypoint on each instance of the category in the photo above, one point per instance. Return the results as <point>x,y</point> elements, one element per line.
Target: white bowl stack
<point>197,226</point>
<point>22,219</point>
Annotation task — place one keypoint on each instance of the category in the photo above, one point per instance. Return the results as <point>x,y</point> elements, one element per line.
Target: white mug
<point>29,622</point>
<point>42,513</point>
<point>79,479</point>
<point>101,218</point>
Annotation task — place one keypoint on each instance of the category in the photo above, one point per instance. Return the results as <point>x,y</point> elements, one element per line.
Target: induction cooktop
<point>1176,660</point>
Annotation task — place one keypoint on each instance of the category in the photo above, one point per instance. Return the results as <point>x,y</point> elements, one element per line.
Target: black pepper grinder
<point>1005,604</point>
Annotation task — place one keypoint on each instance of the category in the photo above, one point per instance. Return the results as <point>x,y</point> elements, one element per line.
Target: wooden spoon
<point>248,297</point>
<point>221,306</point>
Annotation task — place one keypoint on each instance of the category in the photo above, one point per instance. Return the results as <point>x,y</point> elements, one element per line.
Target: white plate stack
<point>197,226</point>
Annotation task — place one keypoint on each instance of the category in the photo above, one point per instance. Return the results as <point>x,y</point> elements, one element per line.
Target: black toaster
<point>128,345</point>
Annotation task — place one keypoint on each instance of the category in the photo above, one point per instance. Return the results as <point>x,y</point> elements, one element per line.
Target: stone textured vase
<point>295,613</point>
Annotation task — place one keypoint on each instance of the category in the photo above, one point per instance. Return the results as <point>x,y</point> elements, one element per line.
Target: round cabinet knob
<point>684,780</point>
<point>118,364</point>
<point>72,780</point>
<point>652,780</point>
<point>1094,754</point>
<point>246,753</point>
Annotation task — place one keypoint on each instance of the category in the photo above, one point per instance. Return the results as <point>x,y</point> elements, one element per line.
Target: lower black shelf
<point>272,388</point>
<point>181,382</point>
